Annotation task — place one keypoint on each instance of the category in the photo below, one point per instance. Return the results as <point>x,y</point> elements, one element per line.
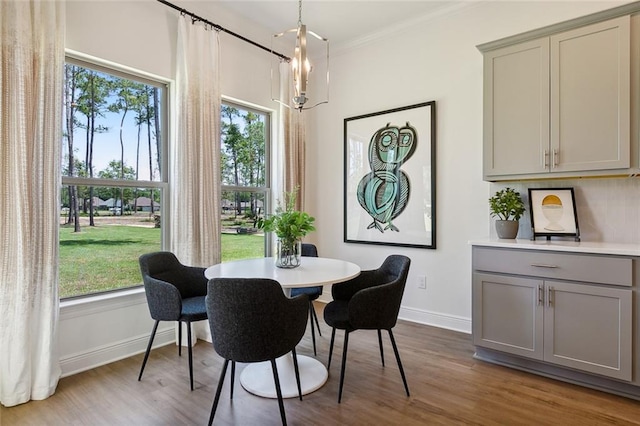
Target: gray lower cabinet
<point>507,315</point>
<point>583,325</point>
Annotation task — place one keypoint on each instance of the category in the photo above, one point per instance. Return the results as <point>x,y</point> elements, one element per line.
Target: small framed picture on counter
<point>553,213</point>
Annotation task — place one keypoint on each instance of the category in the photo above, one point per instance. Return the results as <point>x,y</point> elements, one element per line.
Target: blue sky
<point>106,145</point>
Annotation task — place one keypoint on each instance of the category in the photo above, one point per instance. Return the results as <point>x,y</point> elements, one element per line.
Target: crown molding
<point>626,9</point>
<point>403,26</point>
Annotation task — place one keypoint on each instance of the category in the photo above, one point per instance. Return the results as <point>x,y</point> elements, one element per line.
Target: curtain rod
<point>195,18</point>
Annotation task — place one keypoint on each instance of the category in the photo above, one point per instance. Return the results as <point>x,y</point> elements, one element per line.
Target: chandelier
<point>301,67</point>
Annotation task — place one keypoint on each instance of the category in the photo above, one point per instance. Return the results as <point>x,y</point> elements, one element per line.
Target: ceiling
<point>340,21</point>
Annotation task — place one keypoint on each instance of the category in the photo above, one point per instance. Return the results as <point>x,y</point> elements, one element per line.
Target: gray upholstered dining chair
<point>251,320</point>
<point>310,250</point>
<point>175,292</point>
<point>370,301</point>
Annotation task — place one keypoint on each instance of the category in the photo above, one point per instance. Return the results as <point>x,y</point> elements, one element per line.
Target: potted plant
<point>290,226</point>
<point>508,207</point>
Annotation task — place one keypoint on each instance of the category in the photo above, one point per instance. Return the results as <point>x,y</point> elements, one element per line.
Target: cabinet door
<point>589,328</point>
<point>508,314</point>
<point>590,97</point>
<point>516,109</point>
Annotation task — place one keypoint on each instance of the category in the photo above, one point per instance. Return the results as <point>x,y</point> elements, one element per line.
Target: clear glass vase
<point>288,255</point>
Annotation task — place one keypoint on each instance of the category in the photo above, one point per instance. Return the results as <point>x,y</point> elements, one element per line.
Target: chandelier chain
<point>299,12</point>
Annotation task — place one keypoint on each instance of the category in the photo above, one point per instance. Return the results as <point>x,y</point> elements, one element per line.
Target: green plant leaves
<point>507,204</point>
<point>289,225</point>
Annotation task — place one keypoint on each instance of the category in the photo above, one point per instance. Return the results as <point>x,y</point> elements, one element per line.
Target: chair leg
<point>276,379</point>
<point>190,354</point>
<point>179,338</point>
<point>333,337</point>
<point>313,333</point>
<point>233,376</point>
<point>218,390</point>
<point>315,316</point>
<point>146,354</point>
<point>344,363</point>
<point>395,350</point>
<point>297,371</point>
<point>380,344</point>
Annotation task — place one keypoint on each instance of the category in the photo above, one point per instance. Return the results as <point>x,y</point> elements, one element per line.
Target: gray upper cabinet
<point>559,105</point>
<point>590,91</point>
<point>516,109</point>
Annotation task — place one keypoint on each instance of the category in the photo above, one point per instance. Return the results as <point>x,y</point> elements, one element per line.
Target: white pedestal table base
<point>257,378</point>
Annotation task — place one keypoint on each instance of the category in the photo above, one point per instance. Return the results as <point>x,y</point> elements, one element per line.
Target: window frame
<point>163,184</point>
<point>266,190</point>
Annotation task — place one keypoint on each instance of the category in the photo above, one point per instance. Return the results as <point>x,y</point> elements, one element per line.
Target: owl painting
<point>384,192</point>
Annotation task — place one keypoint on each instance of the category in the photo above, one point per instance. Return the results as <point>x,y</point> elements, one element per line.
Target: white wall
<point>435,60</point>
<point>142,34</point>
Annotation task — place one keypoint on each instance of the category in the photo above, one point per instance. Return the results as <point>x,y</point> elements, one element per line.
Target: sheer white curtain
<point>32,60</point>
<point>195,171</point>
<point>289,149</point>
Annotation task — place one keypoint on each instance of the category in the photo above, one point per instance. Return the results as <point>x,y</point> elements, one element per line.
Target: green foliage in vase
<point>289,224</point>
<point>507,204</point>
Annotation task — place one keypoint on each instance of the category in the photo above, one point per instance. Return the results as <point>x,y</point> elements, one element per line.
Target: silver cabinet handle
<point>556,156</point>
<point>543,265</point>
<point>545,158</point>
<point>547,296</point>
<point>540,295</point>
<point>550,292</point>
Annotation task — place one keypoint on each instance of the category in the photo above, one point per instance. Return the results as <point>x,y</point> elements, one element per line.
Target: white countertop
<point>567,246</point>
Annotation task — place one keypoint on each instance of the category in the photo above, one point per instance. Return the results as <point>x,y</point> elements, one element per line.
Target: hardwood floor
<point>448,387</point>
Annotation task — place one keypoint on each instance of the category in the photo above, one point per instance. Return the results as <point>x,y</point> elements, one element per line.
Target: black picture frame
<point>390,177</point>
<point>553,213</point>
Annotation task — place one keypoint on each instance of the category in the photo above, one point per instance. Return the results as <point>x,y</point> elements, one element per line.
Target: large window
<point>245,180</point>
<point>113,177</point>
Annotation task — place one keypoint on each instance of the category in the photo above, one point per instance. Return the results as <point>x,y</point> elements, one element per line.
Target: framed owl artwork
<point>390,177</point>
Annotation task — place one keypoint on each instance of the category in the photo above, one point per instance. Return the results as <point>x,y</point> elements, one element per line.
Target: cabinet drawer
<point>563,266</point>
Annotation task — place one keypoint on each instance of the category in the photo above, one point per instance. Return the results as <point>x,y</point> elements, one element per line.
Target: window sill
<point>101,303</point>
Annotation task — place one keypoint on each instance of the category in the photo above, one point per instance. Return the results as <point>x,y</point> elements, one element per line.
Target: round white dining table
<point>257,378</point>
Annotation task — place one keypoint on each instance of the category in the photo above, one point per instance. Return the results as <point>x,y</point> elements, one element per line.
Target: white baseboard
<point>436,319</point>
<point>114,352</point>
<point>421,316</point>
<point>79,362</point>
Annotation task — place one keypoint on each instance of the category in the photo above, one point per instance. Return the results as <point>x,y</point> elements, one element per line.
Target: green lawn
<point>105,257</point>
